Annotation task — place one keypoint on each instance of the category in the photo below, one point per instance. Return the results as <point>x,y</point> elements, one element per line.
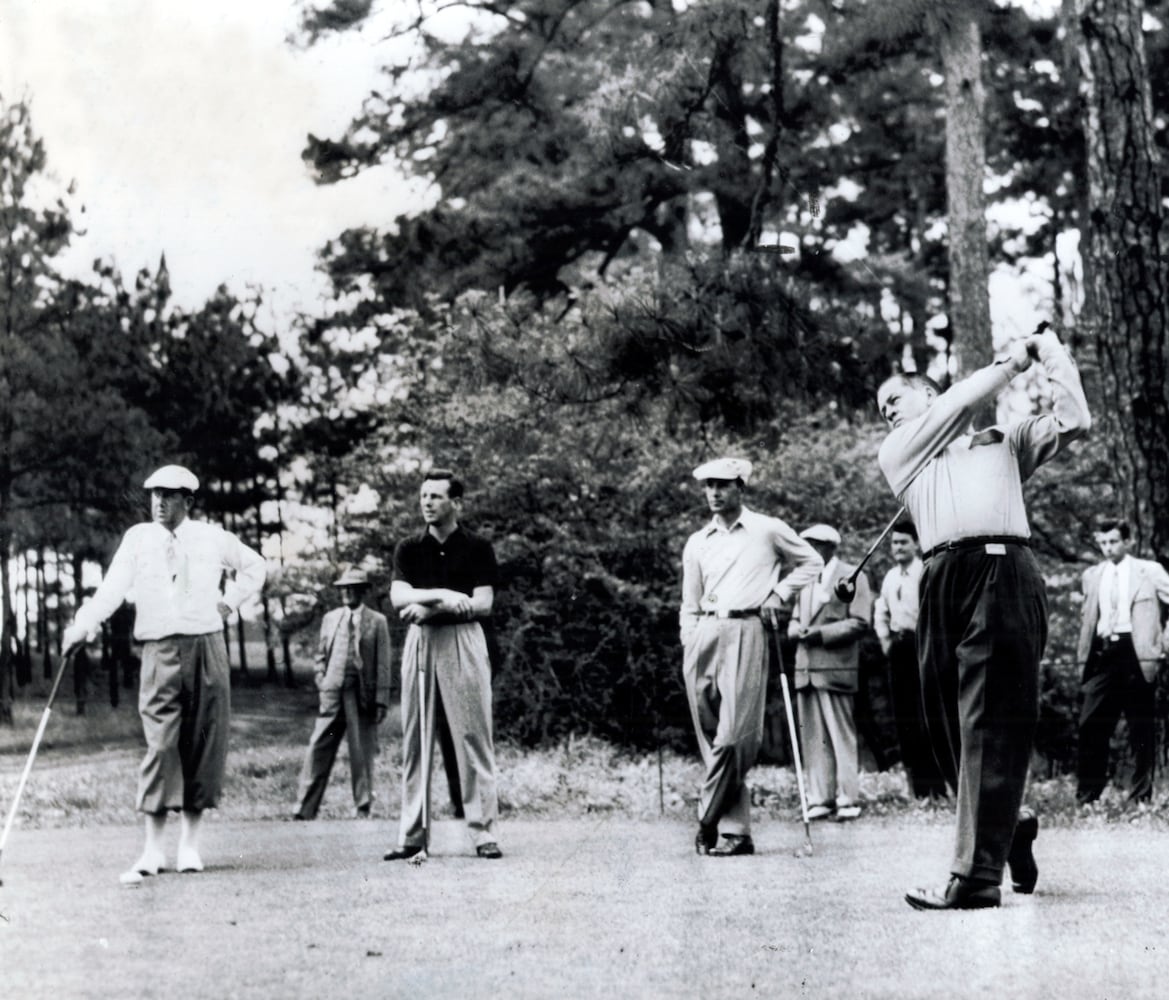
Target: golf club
<point>846,587</point>
<point>423,855</point>
<point>805,851</point>
<point>36,742</point>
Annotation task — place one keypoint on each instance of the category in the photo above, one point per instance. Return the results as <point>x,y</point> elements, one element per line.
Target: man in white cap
<point>731,591</point>
<point>828,633</point>
<point>172,567</point>
<point>352,671</point>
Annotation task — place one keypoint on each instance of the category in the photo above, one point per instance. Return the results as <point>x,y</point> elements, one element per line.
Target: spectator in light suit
<point>828,634</point>
<point>1122,647</point>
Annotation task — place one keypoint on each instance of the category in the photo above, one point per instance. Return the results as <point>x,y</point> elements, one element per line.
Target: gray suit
<point>349,699</point>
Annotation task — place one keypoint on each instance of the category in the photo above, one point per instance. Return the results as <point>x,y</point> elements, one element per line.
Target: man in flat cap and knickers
<point>172,567</point>
<point>731,591</point>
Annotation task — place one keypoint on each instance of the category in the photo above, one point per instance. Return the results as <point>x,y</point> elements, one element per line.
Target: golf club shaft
<point>423,735</point>
<point>873,548</point>
<point>36,742</point>
<point>791,726</point>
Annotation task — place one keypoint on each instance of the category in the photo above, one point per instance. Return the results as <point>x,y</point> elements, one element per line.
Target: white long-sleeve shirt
<point>896,609</point>
<point>737,568</point>
<point>961,485</point>
<point>175,579</point>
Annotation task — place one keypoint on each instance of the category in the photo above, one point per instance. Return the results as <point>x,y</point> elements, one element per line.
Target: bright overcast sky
<point>182,125</point>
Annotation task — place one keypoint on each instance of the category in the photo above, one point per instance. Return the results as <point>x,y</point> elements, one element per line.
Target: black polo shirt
<point>463,562</point>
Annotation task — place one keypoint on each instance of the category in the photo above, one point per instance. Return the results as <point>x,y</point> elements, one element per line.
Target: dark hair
<point>904,526</point>
<point>455,490</point>
<point>1104,524</point>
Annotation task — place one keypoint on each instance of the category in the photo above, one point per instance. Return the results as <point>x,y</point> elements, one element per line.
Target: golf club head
<point>419,859</point>
<point>846,589</point>
<point>804,850</point>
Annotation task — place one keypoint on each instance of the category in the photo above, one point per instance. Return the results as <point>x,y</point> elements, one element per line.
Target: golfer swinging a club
<point>730,591</point>
<point>443,586</point>
<point>172,568</point>
<point>983,618</point>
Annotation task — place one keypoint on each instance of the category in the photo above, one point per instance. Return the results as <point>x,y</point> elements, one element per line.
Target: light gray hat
<point>172,477</point>
<point>821,533</point>
<point>724,468</point>
<point>352,578</point>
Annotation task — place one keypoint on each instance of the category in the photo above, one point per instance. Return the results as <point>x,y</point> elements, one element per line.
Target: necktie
<point>351,653</point>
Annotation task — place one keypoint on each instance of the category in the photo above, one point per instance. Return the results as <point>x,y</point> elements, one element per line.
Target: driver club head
<point>846,589</point>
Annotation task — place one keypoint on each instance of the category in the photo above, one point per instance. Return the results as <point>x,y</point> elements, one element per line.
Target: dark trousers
<point>1112,684</point>
<point>339,717</point>
<point>981,634</point>
<point>921,767</point>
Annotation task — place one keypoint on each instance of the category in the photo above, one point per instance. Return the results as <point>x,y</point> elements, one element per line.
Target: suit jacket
<point>832,665</point>
<point>1148,589</point>
<point>373,650</point>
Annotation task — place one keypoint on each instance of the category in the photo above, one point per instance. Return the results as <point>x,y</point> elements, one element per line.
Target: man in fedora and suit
<point>828,632</point>
<point>1121,647</point>
<point>352,670</point>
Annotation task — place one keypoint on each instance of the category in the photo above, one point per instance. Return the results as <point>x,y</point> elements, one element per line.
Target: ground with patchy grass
<point>599,894</point>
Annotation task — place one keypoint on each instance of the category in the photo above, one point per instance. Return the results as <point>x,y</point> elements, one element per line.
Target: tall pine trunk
<point>960,42</point>
<point>1127,301</point>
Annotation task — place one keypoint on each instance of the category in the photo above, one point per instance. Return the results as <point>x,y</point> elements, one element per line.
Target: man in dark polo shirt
<point>443,585</point>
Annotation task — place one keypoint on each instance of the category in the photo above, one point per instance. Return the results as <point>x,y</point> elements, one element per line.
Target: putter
<point>846,587</point>
<point>423,855</point>
<point>805,851</point>
<point>36,742</point>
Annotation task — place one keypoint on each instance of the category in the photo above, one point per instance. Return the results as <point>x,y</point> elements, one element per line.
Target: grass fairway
<point>586,907</point>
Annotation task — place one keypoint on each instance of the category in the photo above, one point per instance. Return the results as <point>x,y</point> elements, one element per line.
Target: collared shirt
<point>462,562</point>
<point>1115,599</point>
<point>896,609</point>
<point>737,568</point>
<point>174,579</point>
<point>961,485</point>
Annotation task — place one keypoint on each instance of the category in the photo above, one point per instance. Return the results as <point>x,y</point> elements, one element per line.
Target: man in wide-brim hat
<point>352,671</point>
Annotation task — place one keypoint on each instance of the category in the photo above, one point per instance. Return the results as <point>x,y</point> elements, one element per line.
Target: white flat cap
<point>724,468</point>
<point>821,533</point>
<point>172,477</point>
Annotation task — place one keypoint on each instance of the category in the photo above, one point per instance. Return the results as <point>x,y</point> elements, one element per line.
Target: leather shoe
<point>402,853</point>
<point>732,845</point>
<point>1021,860</point>
<point>705,839</point>
<point>490,851</point>
<point>959,894</point>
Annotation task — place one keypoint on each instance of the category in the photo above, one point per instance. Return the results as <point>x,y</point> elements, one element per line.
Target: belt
<point>976,542</point>
<point>743,613</point>
<point>903,633</point>
<point>1112,640</point>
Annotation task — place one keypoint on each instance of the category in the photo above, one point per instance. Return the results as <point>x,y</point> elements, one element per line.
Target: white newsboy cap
<point>821,533</point>
<point>724,468</point>
<point>172,477</point>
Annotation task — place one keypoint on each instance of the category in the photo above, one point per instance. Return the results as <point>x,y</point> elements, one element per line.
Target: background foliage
<point>658,233</point>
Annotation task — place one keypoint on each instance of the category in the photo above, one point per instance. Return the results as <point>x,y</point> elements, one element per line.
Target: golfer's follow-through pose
<point>443,584</point>
<point>172,568</point>
<point>983,621</point>
<point>730,591</point>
